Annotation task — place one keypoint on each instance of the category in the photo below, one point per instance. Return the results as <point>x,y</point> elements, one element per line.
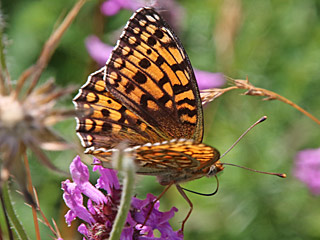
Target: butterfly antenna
<point>205,194</point>
<point>243,134</point>
<point>282,175</point>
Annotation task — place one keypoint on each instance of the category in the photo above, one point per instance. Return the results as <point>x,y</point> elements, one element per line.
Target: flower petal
<point>108,179</point>
<point>98,50</point>
<point>83,229</point>
<point>208,79</point>
<point>307,169</point>
<point>74,200</point>
<point>127,233</point>
<point>80,175</point>
<point>112,7</point>
<point>157,220</point>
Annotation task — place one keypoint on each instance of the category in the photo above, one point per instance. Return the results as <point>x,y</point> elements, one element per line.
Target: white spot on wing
<point>80,137</point>
<point>156,17</point>
<point>150,18</point>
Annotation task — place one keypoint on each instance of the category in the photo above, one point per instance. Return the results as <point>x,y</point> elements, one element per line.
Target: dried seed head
<point>27,125</point>
<point>11,112</point>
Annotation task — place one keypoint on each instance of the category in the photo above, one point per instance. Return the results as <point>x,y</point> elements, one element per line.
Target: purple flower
<point>208,79</point>
<point>173,11</point>
<point>112,7</point>
<point>100,52</point>
<point>101,208</point>
<point>307,169</point>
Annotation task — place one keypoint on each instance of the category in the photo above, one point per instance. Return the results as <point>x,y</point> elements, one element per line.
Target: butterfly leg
<point>154,202</point>
<point>189,202</point>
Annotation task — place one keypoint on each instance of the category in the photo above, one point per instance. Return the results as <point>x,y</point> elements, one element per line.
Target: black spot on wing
<point>107,127</point>
<point>159,34</point>
<point>139,77</point>
<point>160,60</point>
<point>129,87</point>
<point>188,101</point>
<point>144,63</point>
<point>105,112</point>
<point>151,41</point>
<point>187,111</point>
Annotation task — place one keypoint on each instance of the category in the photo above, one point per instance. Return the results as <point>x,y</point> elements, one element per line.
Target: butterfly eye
<point>212,171</point>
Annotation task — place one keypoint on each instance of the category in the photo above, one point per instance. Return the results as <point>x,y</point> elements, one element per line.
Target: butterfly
<point>148,97</point>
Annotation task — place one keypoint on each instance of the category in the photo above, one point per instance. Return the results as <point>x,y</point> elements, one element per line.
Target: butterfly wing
<point>147,93</point>
<point>174,160</point>
<point>150,73</point>
<point>103,122</point>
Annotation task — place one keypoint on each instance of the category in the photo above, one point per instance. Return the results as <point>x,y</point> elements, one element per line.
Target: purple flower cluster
<point>103,201</point>
<point>307,169</point>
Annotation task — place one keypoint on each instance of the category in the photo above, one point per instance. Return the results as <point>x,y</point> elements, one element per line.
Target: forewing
<point>150,73</point>
<point>103,122</point>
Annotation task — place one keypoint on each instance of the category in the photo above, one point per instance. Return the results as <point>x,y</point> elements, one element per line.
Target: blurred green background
<point>275,43</point>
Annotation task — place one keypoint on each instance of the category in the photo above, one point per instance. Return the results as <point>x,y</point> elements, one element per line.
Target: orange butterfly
<point>147,96</point>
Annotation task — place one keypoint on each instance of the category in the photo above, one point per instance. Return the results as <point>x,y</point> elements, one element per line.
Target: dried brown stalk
<point>44,220</point>
<point>269,95</point>
<point>36,70</point>
<point>228,24</point>
<point>34,210</point>
<point>209,95</point>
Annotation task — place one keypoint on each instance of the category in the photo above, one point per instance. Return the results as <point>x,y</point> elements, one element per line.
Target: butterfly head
<point>215,168</point>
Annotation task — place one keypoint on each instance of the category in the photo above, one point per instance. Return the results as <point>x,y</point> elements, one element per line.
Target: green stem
<point>126,167</point>
<point>4,75</point>
<point>16,224</point>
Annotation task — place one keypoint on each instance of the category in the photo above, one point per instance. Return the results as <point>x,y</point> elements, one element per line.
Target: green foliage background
<point>277,46</point>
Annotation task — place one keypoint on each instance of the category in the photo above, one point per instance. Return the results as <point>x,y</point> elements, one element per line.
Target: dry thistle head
<point>27,112</point>
<point>27,124</point>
